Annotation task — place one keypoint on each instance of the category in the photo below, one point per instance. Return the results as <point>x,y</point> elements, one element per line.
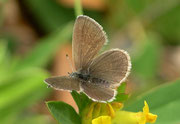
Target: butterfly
<point>97,76</point>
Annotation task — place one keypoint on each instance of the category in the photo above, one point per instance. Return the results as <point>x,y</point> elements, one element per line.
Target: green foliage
<point>146,64</point>
<point>138,6</point>
<point>122,88</point>
<point>168,24</point>
<point>18,89</point>
<point>63,113</point>
<point>121,95</point>
<point>78,7</point>
<point>163,101</point>
<point>23,92</point>
<point>33,119</point>
<point>81,100</point>
<point>21,82</point>
<point>49,14</point>
<point>161,18</point>
<point>46,48</point>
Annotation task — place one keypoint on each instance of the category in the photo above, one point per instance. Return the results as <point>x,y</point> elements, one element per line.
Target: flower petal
<point>111,110</point>
<point>151,118</point>
<point>145,108</point>
<point>102,120</point>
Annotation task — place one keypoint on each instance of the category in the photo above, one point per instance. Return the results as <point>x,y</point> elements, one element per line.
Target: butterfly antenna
<point>67,57</point>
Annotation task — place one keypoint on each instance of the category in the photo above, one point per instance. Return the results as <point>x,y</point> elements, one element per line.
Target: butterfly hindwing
<point>98,93</point>
<point>113,66</point>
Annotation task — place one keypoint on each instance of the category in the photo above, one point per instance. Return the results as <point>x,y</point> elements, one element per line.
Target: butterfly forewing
<point>88,38</point>
<point>63,83</point>
<point>113,66</point>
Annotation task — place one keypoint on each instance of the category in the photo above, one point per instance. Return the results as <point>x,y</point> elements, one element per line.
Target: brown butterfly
<point>96,76</point>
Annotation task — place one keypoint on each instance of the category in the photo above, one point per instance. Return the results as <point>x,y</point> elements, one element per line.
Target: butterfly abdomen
<point>99,81</point>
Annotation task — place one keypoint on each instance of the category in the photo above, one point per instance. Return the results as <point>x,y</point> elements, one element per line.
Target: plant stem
<point>78,8</point>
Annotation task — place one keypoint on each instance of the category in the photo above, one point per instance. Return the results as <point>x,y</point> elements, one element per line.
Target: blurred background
<point>35,36</point>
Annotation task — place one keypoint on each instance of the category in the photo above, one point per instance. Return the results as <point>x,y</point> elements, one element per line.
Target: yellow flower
<point>102,120</point>
<point>99,112</point>
<point>151,118</point>
<point>125,117</point>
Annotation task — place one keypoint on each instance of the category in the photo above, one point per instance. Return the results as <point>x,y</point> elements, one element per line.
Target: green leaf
<point>81,100</point>
<point>163,101</point>
<point>44,51</point>
<point>121,96</point>
<point>20,91</point>
<point>122,88</point>
<point>63,113</point>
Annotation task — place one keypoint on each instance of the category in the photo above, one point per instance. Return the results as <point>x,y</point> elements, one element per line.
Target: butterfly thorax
<point>81,76</point>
